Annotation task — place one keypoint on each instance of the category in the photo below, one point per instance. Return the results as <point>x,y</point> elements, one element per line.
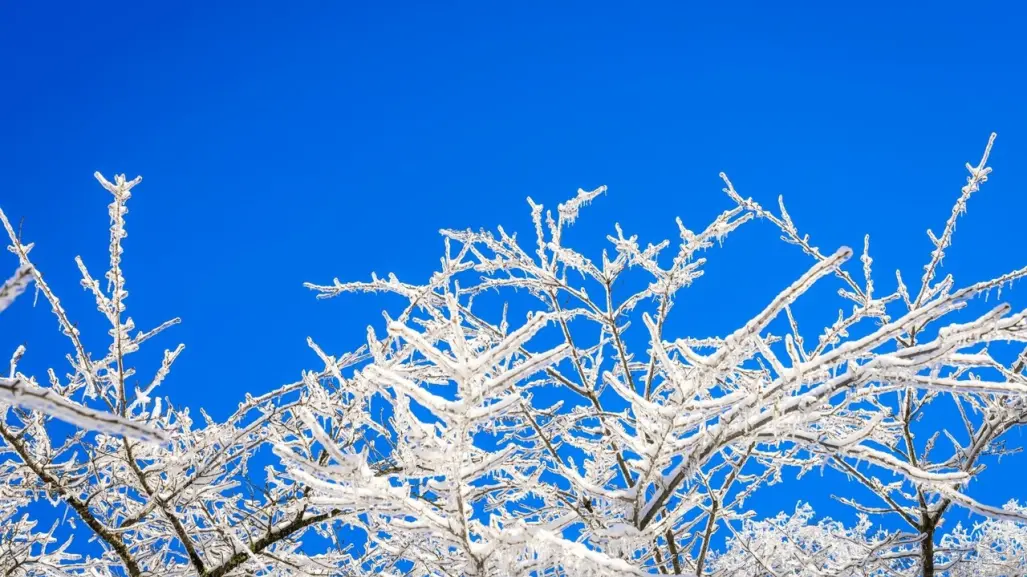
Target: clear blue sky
<point>294,141</point>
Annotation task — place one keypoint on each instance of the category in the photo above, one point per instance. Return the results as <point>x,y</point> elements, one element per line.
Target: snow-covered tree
<point>985,415</point>
<point>566,442</point>
<point>529,410</point>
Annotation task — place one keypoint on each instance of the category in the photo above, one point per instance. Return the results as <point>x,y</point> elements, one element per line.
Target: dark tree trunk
<point>927,552</point>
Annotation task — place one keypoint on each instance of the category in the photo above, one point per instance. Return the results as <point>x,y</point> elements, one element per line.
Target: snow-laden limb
<point>24,393</point>
<point>14,286</point>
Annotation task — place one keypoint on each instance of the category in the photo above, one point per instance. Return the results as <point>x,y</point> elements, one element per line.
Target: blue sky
<point>291,142</point>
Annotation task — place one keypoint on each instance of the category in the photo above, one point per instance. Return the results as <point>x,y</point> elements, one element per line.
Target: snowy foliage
<point>527,411</point>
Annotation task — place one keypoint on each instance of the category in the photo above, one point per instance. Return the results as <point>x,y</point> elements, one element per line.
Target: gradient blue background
<point>290,142</point>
